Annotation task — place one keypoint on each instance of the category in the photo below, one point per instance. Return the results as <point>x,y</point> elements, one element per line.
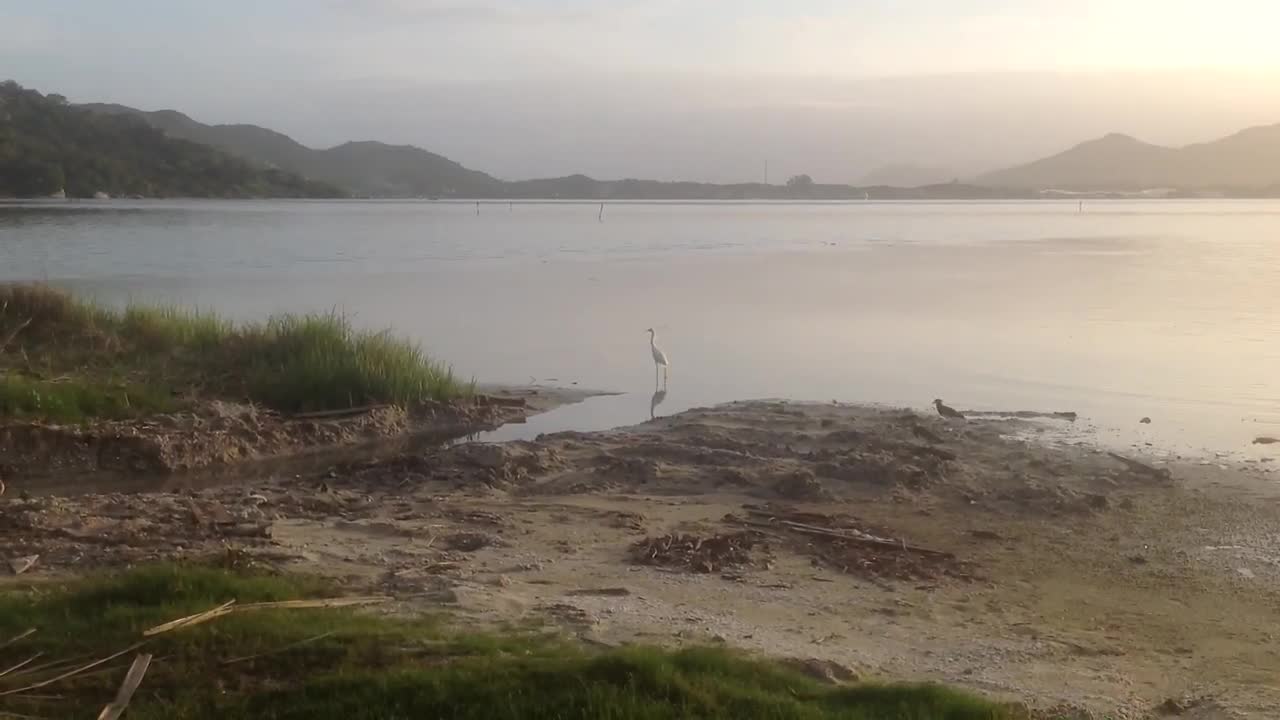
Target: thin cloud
<point>506,12</point>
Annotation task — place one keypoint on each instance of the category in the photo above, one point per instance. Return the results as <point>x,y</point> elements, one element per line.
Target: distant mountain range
<point>374,169</point>
<point>271,163</point>
<point>1247,162</point>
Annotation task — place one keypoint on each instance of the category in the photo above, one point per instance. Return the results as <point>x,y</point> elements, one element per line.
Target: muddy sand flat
<point>889,543</point>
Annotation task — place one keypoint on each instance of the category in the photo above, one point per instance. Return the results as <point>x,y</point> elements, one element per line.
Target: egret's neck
<point>652,337</point>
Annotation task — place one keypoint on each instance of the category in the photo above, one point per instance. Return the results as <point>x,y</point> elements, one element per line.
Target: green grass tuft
<point>122,362</point>
<point>315,362</point>
<point>369,667</point>
<point>74,400</point>
<point>166,328</point>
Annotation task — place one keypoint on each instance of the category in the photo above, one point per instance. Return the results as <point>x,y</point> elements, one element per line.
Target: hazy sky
<point>702,89</point>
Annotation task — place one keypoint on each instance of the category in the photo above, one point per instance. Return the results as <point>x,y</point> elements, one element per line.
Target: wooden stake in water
<point>600,217</point>
<point>477,207</point>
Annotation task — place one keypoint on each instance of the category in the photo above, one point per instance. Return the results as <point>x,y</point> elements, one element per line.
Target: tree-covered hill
<point>48,146</point>
<point>368,169</point>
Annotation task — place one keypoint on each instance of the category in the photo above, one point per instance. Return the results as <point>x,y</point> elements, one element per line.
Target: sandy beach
<point>883,543</point>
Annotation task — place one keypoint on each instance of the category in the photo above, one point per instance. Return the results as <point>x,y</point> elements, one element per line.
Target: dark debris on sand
<point>696,553</point>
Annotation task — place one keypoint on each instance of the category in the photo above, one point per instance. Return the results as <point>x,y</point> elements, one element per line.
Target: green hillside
<point>372,169</point>
<point>48,146</point>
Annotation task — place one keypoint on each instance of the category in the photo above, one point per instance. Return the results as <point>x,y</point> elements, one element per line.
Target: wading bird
<point>947,412</point>
<point>659,357</point>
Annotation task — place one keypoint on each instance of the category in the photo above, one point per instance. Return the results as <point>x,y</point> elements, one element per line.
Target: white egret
<point>659,357</point>
<point>947,412</point>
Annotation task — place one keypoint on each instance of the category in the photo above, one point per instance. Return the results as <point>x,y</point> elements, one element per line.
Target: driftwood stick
<point>70,673</point>
<point>189,620</point>
<point>279,650</point>
<point>130,685</point>
<point>1141,467</point>
<point>23,564</point>
<point>21,636</point>
<point>13,334</point>
<point>50,666</point>
<point>847,537</point>
<point>343,412</point>
<point>338,602</point>
<point>782,519</point>
<point>21,665</point>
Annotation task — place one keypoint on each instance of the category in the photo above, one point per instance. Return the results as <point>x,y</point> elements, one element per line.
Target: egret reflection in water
<point>659,395</point>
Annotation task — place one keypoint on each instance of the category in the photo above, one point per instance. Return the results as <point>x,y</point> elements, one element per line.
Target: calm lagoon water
<point>1166,309</point>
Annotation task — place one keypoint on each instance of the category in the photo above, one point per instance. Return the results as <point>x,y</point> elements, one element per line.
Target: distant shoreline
<point>1045,199</point>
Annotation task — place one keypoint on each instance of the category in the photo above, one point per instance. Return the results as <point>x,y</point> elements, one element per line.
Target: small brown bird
<point>947,412</point>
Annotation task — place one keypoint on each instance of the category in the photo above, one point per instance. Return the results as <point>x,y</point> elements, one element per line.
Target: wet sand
<point>894,544</point>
